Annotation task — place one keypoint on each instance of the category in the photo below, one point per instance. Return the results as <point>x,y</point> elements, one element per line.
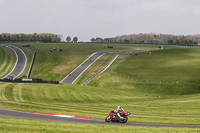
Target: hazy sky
<point>100,18</point>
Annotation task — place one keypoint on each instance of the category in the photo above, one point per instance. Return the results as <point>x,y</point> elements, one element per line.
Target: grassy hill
<point>7,61</point>
<point>56,65</point>
<point>172,71</point>
<point>96,102</point>
<point>134,84</point>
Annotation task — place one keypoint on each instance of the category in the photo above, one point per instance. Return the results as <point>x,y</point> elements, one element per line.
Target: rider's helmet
<point>118,107</point>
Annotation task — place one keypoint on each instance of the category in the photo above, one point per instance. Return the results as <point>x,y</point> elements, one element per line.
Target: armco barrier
<point>29,81</point>
<point>31,66</point>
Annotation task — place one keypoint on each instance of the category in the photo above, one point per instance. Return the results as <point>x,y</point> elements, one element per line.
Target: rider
<point>119,110</point>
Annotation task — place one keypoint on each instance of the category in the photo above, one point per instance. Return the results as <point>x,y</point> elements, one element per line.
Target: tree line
<point>153,38</point>
<point>143,38</point>
<point>74,40</point>
<point>41,37</point>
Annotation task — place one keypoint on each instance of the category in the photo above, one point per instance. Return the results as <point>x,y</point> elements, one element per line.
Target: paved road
<point>30,116</point>
<point>20,63</point>
<point>102,70</point>
<point>71,78</point>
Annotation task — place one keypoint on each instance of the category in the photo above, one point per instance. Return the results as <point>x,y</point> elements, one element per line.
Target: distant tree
<point>170,41</point>
<point>142,42</point>
<point>191,42</point>
<point>34,37</point>
<point>4,37</point>
<point>186,41</point>
<point>44,37</point>
<point>99,40</point>
<point>75,39</point>
<point>156,41</point>
<point>55,39</point>
<point>93,40</point>
<point>126,41</point>
<point>177,42</point>
<point>68,39</point>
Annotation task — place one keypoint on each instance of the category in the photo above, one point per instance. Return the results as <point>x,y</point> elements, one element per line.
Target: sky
<point>86,19</point>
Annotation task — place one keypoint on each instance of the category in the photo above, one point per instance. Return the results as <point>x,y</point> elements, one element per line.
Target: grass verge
<point>29,126</point>
<point>7,61</point>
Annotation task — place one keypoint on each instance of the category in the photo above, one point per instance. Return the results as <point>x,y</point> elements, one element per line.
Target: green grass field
<point>30,126</point>
<point>125,84</point>
<point>56,65</point>
<point>7,61</point>
<point>89,101</point>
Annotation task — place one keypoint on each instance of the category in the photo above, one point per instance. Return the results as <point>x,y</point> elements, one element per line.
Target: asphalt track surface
<point>20,63</point>
<point>71,78</point>
<point>31,116</point>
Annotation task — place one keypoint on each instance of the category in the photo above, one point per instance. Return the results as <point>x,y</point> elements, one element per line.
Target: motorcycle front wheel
<point>107,119</point>
<point>124,120</point>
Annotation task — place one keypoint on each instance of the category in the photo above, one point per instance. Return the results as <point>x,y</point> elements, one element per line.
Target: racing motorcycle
<point>113,117</point>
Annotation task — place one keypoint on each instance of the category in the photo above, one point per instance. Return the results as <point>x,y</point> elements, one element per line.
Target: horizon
<point>100,18</point>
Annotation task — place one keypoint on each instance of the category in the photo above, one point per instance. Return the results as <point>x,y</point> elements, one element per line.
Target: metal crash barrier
<point>28,81</point>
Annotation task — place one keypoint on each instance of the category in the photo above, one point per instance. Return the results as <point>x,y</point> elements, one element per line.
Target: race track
<point>71,78</point>
<point>31,116</point>
<point>20,63</point>
<point>19,67</point>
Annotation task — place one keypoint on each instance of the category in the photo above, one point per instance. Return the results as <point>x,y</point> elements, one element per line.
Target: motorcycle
<point>113,117</point>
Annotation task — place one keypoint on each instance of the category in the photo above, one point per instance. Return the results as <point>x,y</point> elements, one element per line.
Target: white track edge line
<point>87,68</point>
<point>25,61</point>
<point>105,68</point>
<point>78,67</point>
<point>15,62</point>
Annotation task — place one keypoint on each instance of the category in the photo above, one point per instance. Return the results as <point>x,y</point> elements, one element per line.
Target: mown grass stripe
<point>9,92</point>
<point>110,90</point>
<point>9,62</point>
<point>2,56</point>
<point>17,93</point>
<point>3,91</point>
<point>5,61</point>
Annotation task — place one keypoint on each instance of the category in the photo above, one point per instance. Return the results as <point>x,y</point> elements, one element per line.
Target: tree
<point>142,42</point>
<point>191,42</point>
<point>177,42</point>
<point>93,40</point>
<point>55,39</point>
<point>68,39</point>
<point>186,41</point>
<point>99,40</point>
<point>75,39</point>
<point>170,41</point>
<point>126,41</point>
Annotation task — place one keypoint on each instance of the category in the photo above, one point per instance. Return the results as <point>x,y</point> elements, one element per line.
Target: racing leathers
<point>119,111</point>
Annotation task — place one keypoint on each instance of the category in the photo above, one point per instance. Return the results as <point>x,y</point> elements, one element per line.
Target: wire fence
<point>142,80</point>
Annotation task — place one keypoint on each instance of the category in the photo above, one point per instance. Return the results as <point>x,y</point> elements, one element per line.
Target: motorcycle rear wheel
<point>107,119</point>
<point>124,120</point>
